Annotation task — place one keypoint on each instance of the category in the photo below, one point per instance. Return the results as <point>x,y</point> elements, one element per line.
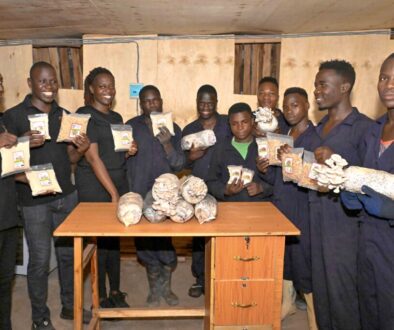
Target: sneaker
<point>45,324</point>
<point>118,299</point>
<point>106,303</point>
<point>196,290</point>
<point>68,314</point>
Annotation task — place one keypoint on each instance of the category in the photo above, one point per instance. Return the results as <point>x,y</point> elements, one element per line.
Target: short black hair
<point>342,68</point>
<point>268,79</point>
<point>207,89</point>
<point>148,88</point>
<point>240,107</point>
<point>390,57</point>
<point>296,90</point>
<point>40,65</point>
<point>88,96</point>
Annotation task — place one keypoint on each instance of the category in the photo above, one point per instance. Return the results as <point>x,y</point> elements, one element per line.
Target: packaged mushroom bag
<point>150,213</point>
<point>266,120</point>
<point>72,124</point>
<point>308,178</point>
<point>39,122</point>
<point>123,137</point>
<point>206,210</point>
<point>202,139</point>
<point>193,189</point>
<point>130,208</point>
<point>247,176</point>
<point>160,119</point>
<point>292,165</point>
<point>275,141</point>
<point>42,180</point>
<point>184,211</point>
<point>17,158</point>
<point>262,147</point>
<point>235,172</point>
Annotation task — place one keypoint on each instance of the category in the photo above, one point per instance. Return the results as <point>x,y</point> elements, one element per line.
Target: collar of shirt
<point>54,106</point>
<point>349,120</point>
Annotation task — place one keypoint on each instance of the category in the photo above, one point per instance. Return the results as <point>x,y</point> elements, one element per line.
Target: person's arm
<point>215,185</point>
<point>173,150</point>
<point>77,149</point>
<point>99,169</point>
<point>377,204</point>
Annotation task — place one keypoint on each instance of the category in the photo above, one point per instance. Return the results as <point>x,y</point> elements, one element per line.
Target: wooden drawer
<point>245,257</point>
<point>244,302</point>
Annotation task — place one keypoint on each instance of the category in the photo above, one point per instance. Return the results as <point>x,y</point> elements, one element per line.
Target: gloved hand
<point>377,204</point>
<point>351,201</point>
<point>164,136</point>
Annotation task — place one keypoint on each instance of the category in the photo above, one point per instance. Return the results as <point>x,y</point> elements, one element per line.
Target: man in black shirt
<point>8,229</point>
<point>42,214</point>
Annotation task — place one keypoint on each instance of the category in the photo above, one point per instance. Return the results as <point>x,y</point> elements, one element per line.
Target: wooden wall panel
<point>121,60</point>
<point>15,63</point>
<point>300,59</point>
<point>185,65</point>
<point>70,99</point>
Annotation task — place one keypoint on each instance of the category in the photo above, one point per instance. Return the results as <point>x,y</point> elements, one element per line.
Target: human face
<point>43,84</point>
<point>328,89</point>
<point>295,108</point>
<point>151,102</point>
<point>1,86</point>
<point>206,105</point>
<point>103,90</point>
<point>241,125</point>
<point>268,95</point>
<point>386,84</point>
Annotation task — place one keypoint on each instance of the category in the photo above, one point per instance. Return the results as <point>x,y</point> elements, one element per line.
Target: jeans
<point>198,260</point>
<point>8,244</point>
<point>39,222</point>
<point>156,251</point>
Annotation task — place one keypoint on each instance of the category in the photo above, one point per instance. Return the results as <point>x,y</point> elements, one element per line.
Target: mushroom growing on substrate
<point>130,208</point>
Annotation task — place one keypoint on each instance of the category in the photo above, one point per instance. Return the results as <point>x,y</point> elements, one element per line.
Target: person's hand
<point>196,153</point>
<point>164,136</point>
<point>285,149</point>
<point>36,138</point>
<point>133,149</point>
<point>82,142</point>
<point>375,203</point>
<point>234,187</point>
<point>262,164</point>
<point>322,154</point>
<point>254,188</point>
<point>257,133</point>
<point>350,200</point>
<point>7,140</point>
<point>115,198</point>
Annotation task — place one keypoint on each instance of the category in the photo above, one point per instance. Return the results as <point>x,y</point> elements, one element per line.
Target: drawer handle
<point>239,258</point>
<point>253,304</point>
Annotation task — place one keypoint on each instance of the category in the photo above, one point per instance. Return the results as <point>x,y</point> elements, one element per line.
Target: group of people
<point>342,263</point>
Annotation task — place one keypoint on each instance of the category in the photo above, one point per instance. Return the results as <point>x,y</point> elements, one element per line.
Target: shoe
<point>118,299</point>
<point>68,314</point>
<point>106,303</point>
<point>45,324</point>
<point>196,290</point>
<point>154,280</point>
<point>300,303</point>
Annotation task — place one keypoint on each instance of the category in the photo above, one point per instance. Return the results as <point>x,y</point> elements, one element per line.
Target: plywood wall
<point>300,59</point>
<point>15,63</point>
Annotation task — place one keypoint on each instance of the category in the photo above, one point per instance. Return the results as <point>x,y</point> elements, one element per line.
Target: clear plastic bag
<point>42,180</point>
<point>72,124</point>
<point>123,136</point>
<point>308,178</point>
<point>262,147</point>
<point>202,139</point>
<point>39,122</point>
<point>275,141</point>
<point>292,165</point>
<point>17,158</point>
<point>160,119</point>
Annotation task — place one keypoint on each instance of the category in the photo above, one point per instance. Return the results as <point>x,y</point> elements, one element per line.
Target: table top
<point>234,219</point>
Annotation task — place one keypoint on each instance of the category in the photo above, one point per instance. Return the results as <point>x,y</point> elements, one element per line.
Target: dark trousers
<point>8,244</point>
<point>198,259</point>
<point>334,245</point>
<point>376,275</point>
<point>39,223</point>
<point>156,251</point>
<point>108,251</point>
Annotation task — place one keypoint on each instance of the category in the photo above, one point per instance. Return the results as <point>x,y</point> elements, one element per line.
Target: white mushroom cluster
<point>130,208</point>
<point>265,119</point>
<point>335,177</point>
<point>207,209</point>
<point>202,139</point>
<point>150,213</point>
<point>165,192</point>
<point>193,189</point>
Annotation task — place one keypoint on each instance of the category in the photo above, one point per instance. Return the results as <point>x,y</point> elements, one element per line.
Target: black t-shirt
<point>17,122</point>
<point>99,131</point>
<point>8,214</point>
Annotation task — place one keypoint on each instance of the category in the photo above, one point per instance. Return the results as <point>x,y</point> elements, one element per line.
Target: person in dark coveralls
<point>268,96</point>
<point>101,175</point>
<point>376,246</point>
<point>292,201</point>
<point>198,160</point>
<point>241,149</point>
<point>8,229</point>
<point>334,230</point>
<point>43,214</point>
<point>156,155</point>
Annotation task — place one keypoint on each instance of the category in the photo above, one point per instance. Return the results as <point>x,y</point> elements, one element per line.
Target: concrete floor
<point>133,281</point>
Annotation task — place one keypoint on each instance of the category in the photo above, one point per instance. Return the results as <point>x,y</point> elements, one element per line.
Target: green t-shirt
<point>242,147</point>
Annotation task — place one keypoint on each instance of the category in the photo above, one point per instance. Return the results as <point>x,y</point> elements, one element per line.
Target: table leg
<point>78,281</point>
<point>94,282</point>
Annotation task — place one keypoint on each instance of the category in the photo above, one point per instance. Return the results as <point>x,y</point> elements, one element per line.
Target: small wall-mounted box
<point>134,90</point>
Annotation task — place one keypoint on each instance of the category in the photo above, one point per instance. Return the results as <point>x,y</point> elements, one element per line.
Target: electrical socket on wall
<point>134,90</point>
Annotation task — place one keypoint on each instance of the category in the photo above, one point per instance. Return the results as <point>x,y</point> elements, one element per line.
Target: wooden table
<point>244,263</point>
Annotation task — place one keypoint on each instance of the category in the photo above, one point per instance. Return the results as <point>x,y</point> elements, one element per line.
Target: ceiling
<point>32,19</point>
